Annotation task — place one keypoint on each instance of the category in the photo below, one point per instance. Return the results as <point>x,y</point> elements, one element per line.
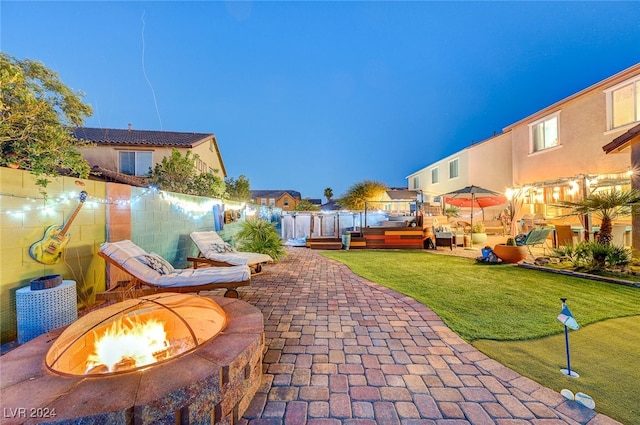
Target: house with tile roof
<point>286,200</point>
<point>127,156</point>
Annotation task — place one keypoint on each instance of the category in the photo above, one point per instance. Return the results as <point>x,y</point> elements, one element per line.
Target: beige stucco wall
<point>583,133</point>
<point>107,156</point>
<point>490,163</point>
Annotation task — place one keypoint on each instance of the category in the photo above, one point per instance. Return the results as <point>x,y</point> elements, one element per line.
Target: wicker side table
<point>43,310</point>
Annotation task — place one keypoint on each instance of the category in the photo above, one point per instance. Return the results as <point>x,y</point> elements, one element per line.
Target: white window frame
<point>416,182</point>
<point>137,162</point>
<point>272,202</point>
<point>436,171</point>
<point>635,87</point>
<point>547,145</point>
<point>263,202</point>
<point>457,162</point>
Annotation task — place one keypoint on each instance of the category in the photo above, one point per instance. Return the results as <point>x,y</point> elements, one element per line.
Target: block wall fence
<point>156,221</point>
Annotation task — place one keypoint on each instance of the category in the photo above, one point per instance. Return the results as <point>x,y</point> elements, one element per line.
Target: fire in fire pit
<point>135,334</point>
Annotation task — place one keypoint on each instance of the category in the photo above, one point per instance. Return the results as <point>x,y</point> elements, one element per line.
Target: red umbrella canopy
<point>478,201</point>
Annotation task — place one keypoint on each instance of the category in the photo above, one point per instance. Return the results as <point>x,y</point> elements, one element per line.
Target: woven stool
<point>40,311</point>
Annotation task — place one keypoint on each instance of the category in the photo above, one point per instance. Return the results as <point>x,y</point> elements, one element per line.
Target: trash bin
<point>346,240</point>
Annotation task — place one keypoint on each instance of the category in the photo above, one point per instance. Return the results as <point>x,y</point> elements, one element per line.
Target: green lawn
<point>510,313</point>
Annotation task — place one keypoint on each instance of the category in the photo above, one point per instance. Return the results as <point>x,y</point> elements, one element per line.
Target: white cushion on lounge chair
<point>131,258</point>
<point>205,242</point>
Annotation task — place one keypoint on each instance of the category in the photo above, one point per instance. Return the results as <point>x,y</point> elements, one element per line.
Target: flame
<point>127,344</point>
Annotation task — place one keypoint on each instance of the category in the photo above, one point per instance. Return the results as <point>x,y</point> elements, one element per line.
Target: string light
<point>192,209</point>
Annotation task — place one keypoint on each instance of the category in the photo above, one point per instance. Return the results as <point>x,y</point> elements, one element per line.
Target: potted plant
<point>478,235</point>
<point>452,212</point>
<point>510,252</point>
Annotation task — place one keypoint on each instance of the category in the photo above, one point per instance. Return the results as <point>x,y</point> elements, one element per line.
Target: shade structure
<point>474,197</point>
<point>481,202</point>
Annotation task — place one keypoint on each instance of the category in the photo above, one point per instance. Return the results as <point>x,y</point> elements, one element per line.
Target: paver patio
<point>344,350</point>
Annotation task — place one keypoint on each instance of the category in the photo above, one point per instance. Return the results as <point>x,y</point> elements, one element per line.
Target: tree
<point>240,189</point>
<point>359,193</point>
<point>606,205</point>
<point>328,193</point>
<point>176,173</point>
<point>306,205</point>
<point>37,113</point>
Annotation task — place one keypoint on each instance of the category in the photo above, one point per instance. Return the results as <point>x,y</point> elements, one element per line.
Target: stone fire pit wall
<point>214,384</point>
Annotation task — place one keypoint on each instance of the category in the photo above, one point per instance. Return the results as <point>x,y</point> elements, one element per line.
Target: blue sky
<point>309,95</point>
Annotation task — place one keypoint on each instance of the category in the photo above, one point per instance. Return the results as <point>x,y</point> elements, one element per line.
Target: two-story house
<point>486,164</point>
<point>287,200</point>
<point>552,155</point>
<point>123,155</point>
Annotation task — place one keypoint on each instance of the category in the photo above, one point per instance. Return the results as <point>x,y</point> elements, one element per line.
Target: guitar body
<point>49,249</point>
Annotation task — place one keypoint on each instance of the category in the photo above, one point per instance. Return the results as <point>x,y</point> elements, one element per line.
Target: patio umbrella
<point>474,197</point>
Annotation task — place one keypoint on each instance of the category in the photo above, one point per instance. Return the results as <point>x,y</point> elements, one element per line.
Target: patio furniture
<point>564,235</point>
<point>214,251</point>
<point>156,274</point>
<point>536,236</point>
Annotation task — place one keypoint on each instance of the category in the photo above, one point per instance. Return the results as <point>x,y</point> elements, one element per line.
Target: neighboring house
<point>124,155</point>
<point>316,201</point>
<point>330,205</point>
<point>486,164</point>
<point>286,200</point>
<point>555,154</point>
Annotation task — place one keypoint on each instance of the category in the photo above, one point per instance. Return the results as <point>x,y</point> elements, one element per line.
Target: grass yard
<point>510,313</point>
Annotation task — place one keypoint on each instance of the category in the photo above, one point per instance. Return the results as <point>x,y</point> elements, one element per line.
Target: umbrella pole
<point>471,238</point>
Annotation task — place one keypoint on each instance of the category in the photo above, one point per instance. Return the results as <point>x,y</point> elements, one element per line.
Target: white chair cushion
<point>134,260</point>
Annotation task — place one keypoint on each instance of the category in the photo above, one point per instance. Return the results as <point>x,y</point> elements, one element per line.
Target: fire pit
<point>135,334</point>
<point>189,375</point>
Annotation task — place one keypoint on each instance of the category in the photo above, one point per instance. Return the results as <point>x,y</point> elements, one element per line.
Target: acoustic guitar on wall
<point>49,249</point>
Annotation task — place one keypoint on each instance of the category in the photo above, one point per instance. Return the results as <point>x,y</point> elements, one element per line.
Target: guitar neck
<point>65,229</point>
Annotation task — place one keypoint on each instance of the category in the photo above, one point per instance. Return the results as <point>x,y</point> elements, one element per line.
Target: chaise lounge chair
<point>158,275</point>
<point>214,251</point>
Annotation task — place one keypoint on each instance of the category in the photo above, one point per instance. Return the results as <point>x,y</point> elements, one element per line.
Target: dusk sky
<point>309,95</point>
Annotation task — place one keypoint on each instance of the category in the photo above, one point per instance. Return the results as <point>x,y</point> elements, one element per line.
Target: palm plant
<point>260,236</point>
<point>607,206</point>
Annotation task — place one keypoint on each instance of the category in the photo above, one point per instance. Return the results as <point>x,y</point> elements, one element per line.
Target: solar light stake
<point>566,318</point>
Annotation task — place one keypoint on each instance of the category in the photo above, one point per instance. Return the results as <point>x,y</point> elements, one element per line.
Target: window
<point>272,202</point>
<point>453,169</point>
<point>623,104</point>
<point>263,202</point>
<point>135,163</point>
<point>416,182</point>
<point>434,175</point>
<point>544,133</point>
<point>286,202</point>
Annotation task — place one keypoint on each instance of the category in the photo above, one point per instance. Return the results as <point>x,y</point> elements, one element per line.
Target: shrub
<point>593,256</point>
<point>260,236</point>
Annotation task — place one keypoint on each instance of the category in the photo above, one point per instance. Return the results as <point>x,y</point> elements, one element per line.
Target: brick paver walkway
<point>343,350</point>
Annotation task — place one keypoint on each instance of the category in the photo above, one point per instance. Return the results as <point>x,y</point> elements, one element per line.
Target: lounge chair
<point>158,275</point>
<point>536,236</point>
<point>213,251</point>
